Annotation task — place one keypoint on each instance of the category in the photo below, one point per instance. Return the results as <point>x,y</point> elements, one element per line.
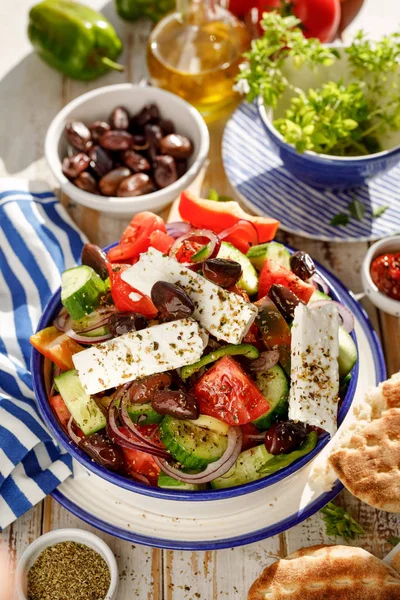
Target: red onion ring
<point>98,317</point>
<point>215,244</point>
<point>127,421</point>
<point>56,373</point>
<point>86,339</point>
<point>61,320</point>
<point>178,228</point>
<point>345,314</point>
<point>74,437</point>
<point>265,361</point>
<point>318,282</point>
<point>213,470</point>
<point>226,232</point>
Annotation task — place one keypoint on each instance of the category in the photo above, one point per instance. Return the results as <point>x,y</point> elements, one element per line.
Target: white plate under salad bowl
<point>153,518</point>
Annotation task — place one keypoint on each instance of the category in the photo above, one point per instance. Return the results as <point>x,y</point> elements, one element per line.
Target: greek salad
<point>199,353</point>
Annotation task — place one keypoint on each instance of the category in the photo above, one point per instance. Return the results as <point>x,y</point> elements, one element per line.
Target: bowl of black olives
<point>126,148</point>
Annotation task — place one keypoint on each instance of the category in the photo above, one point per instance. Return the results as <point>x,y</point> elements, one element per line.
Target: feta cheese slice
<point>140,353</point>
<point>314,367</point>
<point>224,314</point>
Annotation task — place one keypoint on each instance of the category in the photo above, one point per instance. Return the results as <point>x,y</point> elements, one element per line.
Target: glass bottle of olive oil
<point>196,53</point>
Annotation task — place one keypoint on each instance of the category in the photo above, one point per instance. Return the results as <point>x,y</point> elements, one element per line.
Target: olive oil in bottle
<point>196,54</point>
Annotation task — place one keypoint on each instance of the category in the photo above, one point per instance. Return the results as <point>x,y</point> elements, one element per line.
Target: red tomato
<point>227,393</point>
<point>136,237</point>
<point>57,346</point>
<point>274,273</point>
<point>140,462</point>
<point>319,18</point>
<point>241,7</point>
<point>161,241</point>
<point>120,291</point>
<point>217,216</point>
<point>242,235</point>
<point>251,436</point>
<point>60,409</point>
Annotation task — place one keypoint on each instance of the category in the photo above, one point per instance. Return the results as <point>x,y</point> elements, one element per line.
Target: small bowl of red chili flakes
<point>381,274</point>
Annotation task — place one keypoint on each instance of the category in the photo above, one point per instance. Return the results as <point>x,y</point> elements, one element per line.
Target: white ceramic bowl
<point>64,535</point>
<point>97,105</point>
<point>389,305</point>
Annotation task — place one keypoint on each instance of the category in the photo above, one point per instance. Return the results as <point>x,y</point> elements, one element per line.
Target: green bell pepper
<point>230,349</point>
<point>279,461</point>
<point>74,39</point>
<point>132,10</point>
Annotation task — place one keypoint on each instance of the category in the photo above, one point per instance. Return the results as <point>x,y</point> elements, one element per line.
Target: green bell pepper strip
<point>132,10</point>
<point>74,39</point>
<point>279,461</point>
<point>230,349</point>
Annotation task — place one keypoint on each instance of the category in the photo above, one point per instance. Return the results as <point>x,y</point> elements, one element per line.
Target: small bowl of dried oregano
<point>67,564</point>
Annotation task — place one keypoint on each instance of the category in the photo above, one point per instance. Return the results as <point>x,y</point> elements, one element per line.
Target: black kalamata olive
<point>78,135</point>
<point>143,390</point>
<point>176,145</point>
<point>176,403</point>
<point>284,437</point>
<point>121,322</point>
<point>103,451</point>
<point>136,162</point>
<point>284,299</point>
<point>171,301</point>
<point>119,118</point>
<point>97,129</point>
<point>148,114</point>
<point>116,140</point>
<point>93,256</point>
<point>100,161</point>
<point>110,182</point>
<point>72,166</point>
<point>153,136</point>
<point>164,171</point>
<point>302,265</point>
<point>181,167</point>
<point>135,185</point>
<point>85,181</point>
<point>140,143</point>
<point>222,271</point>
<point>167,126</point>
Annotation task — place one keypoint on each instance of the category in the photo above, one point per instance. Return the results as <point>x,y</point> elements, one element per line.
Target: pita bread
<point>367,458</point>
<point>327,573</point>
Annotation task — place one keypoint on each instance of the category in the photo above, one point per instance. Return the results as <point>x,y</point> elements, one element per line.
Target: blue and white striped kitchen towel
<point>38,241</point>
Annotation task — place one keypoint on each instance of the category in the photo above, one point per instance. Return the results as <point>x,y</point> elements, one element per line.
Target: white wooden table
<point>30,95</point>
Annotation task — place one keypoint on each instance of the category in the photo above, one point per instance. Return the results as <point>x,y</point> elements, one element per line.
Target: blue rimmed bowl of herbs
<point>332,113</point>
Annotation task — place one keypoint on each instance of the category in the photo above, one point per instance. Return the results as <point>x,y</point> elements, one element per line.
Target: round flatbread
<point>327,573</point>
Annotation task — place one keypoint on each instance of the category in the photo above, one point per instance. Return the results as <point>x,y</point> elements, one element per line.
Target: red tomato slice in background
<point>227,393</point>
<point>319,18</point>
<point>120,291</point>
<point>136,237</point>
<point>60,409</point>
<point>274,273</point>
<point>140,462</point>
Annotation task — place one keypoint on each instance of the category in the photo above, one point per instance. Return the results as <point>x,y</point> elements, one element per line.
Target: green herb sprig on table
<point>337,118</point>
<point>339,523</point>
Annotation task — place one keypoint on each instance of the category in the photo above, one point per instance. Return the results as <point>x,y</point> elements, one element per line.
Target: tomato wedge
<point>56,346</point>
<point>140,462</point>
<point>60,409</point>
<point>227,393</point>
<point>217,216</point>
<point>125,297</point>
<point>136,237</point>
<point>161,241</point>
<point>274,273</point>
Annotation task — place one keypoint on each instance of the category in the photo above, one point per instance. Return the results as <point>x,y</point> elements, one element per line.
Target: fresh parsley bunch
<point>336,119</point>
<point>339,522</point>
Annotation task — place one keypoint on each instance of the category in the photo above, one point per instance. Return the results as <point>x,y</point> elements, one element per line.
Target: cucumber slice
<point>165,481</point>
<point>212,424</point>
<point>193,447</point>
<point>274,385</point>
<point>249,279</point>
<point>272,250</point>
<point>81,290</point>
<point>87,415</point>
<point>245,469</point>
<point>347,353</point>
<point>318,295</point>
<point>152,416</point>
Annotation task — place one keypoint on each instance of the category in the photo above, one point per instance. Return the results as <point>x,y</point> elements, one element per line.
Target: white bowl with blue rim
<point>322,170</point>
<point>389,245</point>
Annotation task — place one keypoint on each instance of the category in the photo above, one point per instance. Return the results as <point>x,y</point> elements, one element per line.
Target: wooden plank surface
<point>31,94</point>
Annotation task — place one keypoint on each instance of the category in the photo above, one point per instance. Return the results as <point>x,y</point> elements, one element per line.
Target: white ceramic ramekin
<point>388,305</point>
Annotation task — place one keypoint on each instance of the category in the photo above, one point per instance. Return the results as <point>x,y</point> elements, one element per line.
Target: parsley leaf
<point>338,522</point>
<point>379,210</point>
<point>393,540</point>
<point>340,219</point>
<point>357,209</point>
